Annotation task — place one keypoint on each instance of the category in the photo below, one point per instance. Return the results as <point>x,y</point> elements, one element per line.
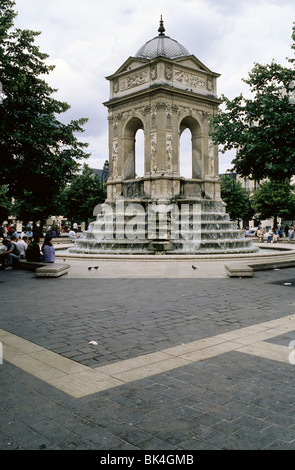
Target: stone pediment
<point>193,63</point>
<point>133,63</point>
<point>189,74</point>
<point>185,73</point>
<point>130,64</point>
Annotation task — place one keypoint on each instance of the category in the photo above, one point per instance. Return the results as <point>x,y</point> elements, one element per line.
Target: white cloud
<point>90,40</point>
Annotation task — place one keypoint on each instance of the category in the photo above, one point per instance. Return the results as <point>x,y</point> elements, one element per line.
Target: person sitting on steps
<point>33,252</point>
<point>48,251</point>
<point>10,257</point>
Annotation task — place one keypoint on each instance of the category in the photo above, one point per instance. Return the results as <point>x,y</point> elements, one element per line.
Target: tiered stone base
<point>210,231</point>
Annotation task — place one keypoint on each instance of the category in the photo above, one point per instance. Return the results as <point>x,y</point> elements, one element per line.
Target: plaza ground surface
<point>147,356</point>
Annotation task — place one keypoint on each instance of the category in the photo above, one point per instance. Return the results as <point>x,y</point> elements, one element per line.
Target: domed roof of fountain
<point>162,46</point>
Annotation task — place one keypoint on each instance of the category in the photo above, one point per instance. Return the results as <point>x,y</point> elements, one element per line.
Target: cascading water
<point>167,229</point>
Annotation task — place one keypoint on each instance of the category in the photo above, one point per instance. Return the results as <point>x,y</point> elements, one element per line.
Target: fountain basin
<point>262,253</point>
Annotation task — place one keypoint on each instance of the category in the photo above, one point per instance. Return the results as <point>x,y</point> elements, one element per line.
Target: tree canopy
<point>238,204</point>
<point>261,129</point>
<point>39,154</point>
<point>82,195</point>
<point>275,199</point>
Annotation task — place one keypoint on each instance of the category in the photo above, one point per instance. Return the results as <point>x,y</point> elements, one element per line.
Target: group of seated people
<point>15,248</point>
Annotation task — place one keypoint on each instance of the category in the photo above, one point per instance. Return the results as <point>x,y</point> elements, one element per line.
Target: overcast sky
<point>90,39</point>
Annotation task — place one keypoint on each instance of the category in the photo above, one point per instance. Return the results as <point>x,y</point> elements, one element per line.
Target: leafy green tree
<point>82,195</point>
<point>39,154</point>
<point>28,208</point>
<point>238,204</point>
<point>261,129</point>
<point>5,204</point>
<point>275,199</point>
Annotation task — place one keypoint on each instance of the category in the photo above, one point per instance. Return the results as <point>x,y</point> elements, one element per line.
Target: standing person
<point>260,235</point>
<point>48,251</point>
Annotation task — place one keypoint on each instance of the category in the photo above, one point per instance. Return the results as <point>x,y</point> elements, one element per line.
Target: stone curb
<point>247,269</point>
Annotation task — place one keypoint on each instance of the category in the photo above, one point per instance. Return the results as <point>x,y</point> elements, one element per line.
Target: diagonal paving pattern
<point>79,380</point>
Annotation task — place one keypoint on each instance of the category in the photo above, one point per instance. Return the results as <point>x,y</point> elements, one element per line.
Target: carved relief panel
<point>115,159</point>
<point>153,153</point>
<point>169,153</point>
<point>211,158</point>
<point>189,79</point>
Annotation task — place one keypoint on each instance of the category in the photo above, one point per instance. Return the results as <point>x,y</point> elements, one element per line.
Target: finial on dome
<point>161,29</point>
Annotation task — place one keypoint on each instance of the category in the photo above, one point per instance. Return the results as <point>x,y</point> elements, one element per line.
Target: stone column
<point>128,144</point>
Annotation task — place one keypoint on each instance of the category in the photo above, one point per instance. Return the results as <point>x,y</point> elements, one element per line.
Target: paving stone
<point>280,445</point>
<point>232,400</point>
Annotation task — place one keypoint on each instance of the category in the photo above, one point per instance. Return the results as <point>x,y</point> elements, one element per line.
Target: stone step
<point>45,269</point>
<point>247,269</point>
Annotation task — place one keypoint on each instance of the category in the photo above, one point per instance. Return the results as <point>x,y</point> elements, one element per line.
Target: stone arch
<point>185,154</point>
<point>197,138</point>
<point>139,153</point>
<point>128,143</point>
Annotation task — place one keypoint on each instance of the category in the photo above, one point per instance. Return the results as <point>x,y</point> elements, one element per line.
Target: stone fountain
<point>162,90</point>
